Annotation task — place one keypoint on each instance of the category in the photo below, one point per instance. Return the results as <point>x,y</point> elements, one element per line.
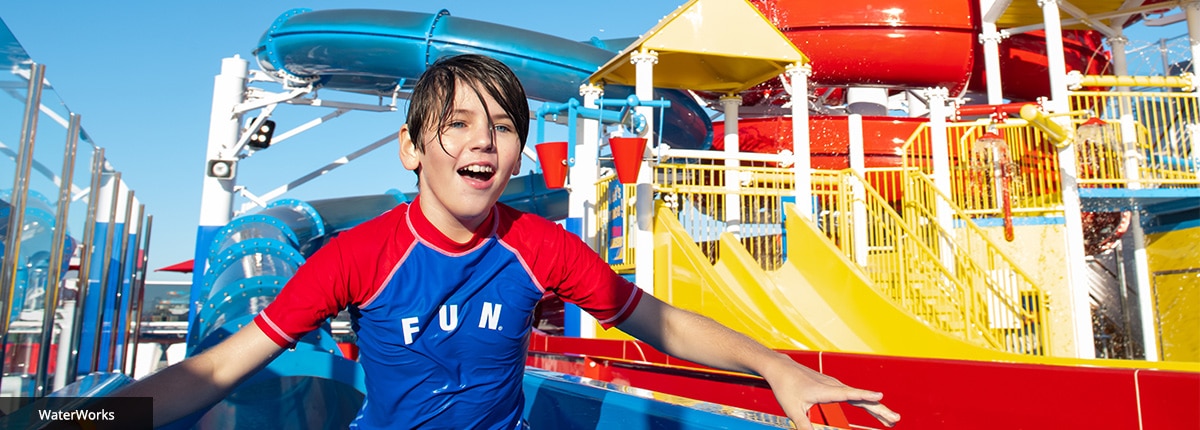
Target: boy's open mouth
<point>480,172</point>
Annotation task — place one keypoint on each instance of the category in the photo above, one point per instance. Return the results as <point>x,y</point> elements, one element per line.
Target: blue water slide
<point>380,51</point>
<point>36,243</point>
<point>250,259</point>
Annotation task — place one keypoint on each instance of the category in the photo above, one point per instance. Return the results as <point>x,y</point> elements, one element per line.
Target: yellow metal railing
<point>976,293</point>
<point>1008,303</point>
<point>1165,146</point>
<point>1165,152</point>
<point>966,287</point>
<point>696,192</point>
<point>1032,163</point>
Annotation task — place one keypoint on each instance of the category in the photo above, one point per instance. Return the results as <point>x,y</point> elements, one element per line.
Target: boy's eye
<point>503,128</point>
<point>456,124</point>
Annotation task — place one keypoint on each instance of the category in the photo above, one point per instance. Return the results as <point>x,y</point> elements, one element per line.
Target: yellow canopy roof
<point>724,46</point>
<point>1028,12</point>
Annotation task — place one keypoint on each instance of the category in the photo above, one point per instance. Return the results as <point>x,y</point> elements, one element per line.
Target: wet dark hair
<point>433,96</point>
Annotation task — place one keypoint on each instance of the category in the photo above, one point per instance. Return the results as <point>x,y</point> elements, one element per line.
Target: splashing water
<point>990,152</point>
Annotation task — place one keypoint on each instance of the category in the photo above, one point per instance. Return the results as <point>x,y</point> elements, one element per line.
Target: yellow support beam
<point>1077,81</point>
<point>1041,120</point>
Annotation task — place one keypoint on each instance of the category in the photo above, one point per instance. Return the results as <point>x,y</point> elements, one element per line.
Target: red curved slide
<point>894,43</point>
<point>897,44</point>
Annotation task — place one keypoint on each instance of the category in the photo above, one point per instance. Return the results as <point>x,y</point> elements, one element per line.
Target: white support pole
<point>1137,239</point>
<point>990,38</point>
<point>1120,61</point>
<point>1192,13</point>
<point>216,204</point>
<point>1055,58</point>
<point>917,106</point>
<point>1137,236</point>
<point>586,170</point>
<point>65,339</point>
<point>937,98</point>
<point>940,151</point>
<point>801,147</point>
<point>733,195</point>
<point>584,175</point>
<point>859,166</point>
<point>1075,255</point>
<point>644,62</point>
<point>1080,304</point>
<point>869,101</point>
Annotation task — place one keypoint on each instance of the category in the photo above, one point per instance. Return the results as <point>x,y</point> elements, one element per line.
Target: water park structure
<point>926,197</point>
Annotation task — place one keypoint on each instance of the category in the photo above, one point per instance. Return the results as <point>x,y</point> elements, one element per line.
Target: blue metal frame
<point>626,117</point>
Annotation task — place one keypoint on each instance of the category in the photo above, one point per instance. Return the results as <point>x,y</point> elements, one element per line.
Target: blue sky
<point>141,74</point>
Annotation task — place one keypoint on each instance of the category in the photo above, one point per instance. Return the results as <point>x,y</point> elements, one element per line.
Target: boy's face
<point>465,179</point>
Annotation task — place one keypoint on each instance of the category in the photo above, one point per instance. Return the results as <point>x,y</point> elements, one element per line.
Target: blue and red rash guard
<point>443,327</point>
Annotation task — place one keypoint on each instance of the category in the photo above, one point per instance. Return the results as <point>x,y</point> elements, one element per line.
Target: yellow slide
<point>731,292</point>
<point>823,283</point>
<point>818,300</point>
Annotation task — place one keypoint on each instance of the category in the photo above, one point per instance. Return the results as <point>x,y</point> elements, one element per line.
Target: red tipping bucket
<point>553,157</point>
<point>627,157</point>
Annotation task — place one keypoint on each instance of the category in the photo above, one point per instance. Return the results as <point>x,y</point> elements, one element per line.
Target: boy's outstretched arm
<point>699,339</point>
<point>204,379</point>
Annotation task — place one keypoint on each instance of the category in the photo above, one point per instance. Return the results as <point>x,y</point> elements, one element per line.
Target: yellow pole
<point>1184,81</point>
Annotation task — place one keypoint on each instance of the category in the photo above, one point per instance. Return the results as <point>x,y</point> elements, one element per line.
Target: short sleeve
<point>316,292</point>
<point>567,267</point>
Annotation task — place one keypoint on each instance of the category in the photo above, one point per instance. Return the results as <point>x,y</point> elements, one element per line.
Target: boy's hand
<point>798,388</point>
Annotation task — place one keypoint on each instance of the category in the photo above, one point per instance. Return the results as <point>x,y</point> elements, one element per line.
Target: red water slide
<point>895,44</point>
<point>891,43</point>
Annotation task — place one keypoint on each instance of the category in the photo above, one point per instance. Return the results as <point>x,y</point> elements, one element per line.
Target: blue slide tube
<point>377,51</point>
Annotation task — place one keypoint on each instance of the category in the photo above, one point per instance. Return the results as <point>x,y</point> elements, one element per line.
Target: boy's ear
<point>409,154</point>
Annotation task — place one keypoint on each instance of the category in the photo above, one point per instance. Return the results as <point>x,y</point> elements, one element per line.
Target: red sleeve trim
<point>273,331</point>
<point>625,311</point>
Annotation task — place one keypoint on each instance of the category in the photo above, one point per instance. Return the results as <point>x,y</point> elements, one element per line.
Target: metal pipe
<point>140,288</point>
<point>1012,109</point>
<point>85,264</point>
<point>671,153</point>
<point>1038,118</point>
<point>57,252</point>
<point>113,333</point>
<point>65,342</point>
<point>16,219</point>
<point>1079,81</point>
<point>107,255</point>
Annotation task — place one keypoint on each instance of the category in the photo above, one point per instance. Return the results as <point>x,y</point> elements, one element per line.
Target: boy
<point>441,290</point>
